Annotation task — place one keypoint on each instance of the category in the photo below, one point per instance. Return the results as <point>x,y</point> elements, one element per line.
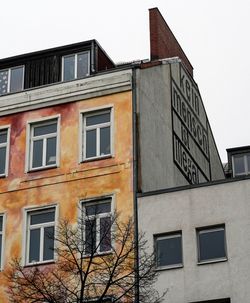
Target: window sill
<point>177,266</point>
<point>99,254</point>
<point>31,170</point>
<point>40,263</point>
<point>97,158</point>
<point>212,261</point>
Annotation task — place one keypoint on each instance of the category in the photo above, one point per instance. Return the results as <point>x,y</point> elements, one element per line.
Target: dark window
<point>3,151</point>
<point>98,226</point>
<point>169,250</point>
<point>241,164</point>
<point>96,134</point>
<point>75,66</point>
<point>40,242</point>
<point>43,147</point>
<point>211,244</point>
<point>1,240</point>
<point>11,80</point>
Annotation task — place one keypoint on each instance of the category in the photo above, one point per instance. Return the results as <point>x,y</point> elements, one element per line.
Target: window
<point>1,240</point>
<point>96,135</point>
<point>211,244</point>
<point>241,164</point>
<point>75,66</point>
<point>98,226</point>
<point>4,151</point>
<point>11,80</point>
<point>40,235</point>
<point>169,250</point>
<point>44,144</point>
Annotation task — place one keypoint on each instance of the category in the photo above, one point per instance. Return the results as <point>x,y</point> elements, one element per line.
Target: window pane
<point>105,141</point>
<point>3,81</point>
<point>105,234</point>
<point>96,209</point>
<point>48,246</point>
<point>2,159</point>
<point>1,246</point>
<point>97,119</point>
<point>239,166</point>
<point>34,245</point>
<point>43,217</point>
<point>91,143</point>
<point>248,163</point>
<point>69,68</point>
<point>16,79</point>
<point>3,136</point>
<point>90,236</point>
<point>37,153</point>
<point>212,245</point>
<point>51,151</point>
<point>1,223</point>
<point>82,65</point>
<point>169,251</point>
<point>45,129</point>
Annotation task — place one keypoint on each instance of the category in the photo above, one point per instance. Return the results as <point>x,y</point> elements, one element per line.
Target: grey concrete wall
<point>186,210</point>
<point>156,122</point>
<point>155,129</point>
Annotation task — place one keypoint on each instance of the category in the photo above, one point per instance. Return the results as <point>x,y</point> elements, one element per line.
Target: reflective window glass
<point>16,79</point>
<point>42,217</point>
<point>91,143</point>
<point>239,166</point>
<point>169,250</point>
<point>69,68</point>
<point>48,246</point>
<point>82,65</point>
<point>98,119</point>
<point>211,244</point>
<point>34,245</point>
<point>37,153</point>
<point>45,129</point>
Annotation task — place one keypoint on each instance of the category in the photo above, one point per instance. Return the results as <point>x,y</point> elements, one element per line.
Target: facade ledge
<point>64,92</point>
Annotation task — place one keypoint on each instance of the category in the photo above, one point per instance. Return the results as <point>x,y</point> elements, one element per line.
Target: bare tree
<point>95,262</point>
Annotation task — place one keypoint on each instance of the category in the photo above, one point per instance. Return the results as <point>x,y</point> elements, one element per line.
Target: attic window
<point>241,164</point>
<point>75,66</point>
<point>11,80</point>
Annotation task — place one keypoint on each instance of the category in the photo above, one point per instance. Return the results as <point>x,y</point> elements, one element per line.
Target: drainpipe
<point>135,184</point>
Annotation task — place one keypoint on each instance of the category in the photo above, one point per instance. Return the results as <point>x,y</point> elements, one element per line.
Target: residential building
<point>77,130</point>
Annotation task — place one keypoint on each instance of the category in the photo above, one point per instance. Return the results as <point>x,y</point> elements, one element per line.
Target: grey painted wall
<point>186,210</point>
<point>154,108</point>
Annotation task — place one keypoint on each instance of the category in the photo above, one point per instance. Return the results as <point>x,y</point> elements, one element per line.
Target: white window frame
<point>7,145</point>
<point>9,76</point>
<point>29,143</point>
<point>26,245</point>
<point>83,129</point>
<point>206,230</point>
<point>97,217</point>
<point>169,235</point>
<point>76,67</point>
<point>3,215</point>
<point>247,169</point>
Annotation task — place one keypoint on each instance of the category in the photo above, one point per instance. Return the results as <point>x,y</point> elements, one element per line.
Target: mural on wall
<point>73,180</point>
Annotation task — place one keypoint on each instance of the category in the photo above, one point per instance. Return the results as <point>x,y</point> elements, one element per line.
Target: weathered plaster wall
<point>71,181</point>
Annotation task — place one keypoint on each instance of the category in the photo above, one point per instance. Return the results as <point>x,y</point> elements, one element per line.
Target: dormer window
<point>11,80</point>
<point>75,66</point>
<point>241,164</point>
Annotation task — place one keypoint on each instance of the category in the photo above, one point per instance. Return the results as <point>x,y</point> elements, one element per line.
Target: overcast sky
<point>213,33</point>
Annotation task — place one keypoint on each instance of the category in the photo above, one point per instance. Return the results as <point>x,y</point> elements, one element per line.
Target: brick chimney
<point>163,43</point>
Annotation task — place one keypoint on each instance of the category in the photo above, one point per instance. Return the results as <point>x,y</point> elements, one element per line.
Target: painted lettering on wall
<point>190,134</point>
<point>185,162</point>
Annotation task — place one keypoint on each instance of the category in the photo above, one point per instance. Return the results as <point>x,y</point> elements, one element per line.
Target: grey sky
<point>213,33</point>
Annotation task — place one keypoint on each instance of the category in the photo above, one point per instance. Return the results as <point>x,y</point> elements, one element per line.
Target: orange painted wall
<point>71,182</point>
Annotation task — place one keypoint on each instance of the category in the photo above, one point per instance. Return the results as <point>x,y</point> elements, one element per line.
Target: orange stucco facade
<point>72,181</point>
